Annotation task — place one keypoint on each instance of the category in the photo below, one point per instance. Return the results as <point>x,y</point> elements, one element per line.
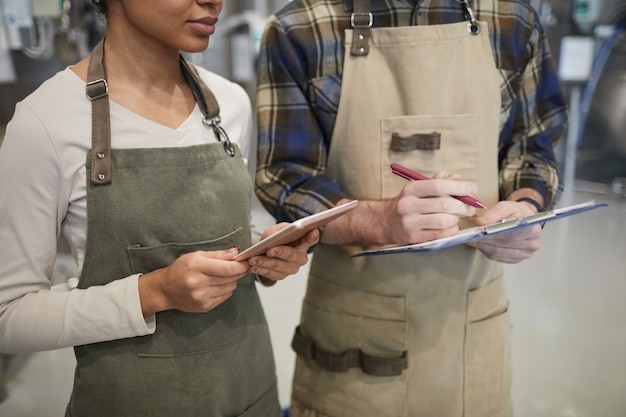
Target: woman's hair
<point>101,5</point>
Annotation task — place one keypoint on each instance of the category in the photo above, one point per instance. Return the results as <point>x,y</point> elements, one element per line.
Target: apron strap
<point>204,97</point>
<point>208,105</point>
<point>97,90</point>
<point>352,358</point>
<point>361,21</point>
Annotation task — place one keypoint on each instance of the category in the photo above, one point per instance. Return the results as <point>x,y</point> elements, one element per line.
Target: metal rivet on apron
<point>361,37</point>
<point>100,155</point>
<point>101,177</point>
<point>361,49</point>
<point>473,28</point>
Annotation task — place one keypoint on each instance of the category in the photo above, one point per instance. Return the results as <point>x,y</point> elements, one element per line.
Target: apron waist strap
<point>353,358</point>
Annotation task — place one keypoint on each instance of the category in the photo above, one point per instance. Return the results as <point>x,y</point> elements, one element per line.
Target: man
<point>468,95</point>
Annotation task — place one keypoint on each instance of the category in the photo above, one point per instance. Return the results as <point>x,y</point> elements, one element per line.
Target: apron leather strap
<point>204,97</point>
<point>353,358</point>
<point>421,141</point>
<point>361,20</point>
<point>97,90</point>
<point>208,105</point>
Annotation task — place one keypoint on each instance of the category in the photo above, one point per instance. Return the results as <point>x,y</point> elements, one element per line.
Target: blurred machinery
<point>594,68</point>
<point>39,38</point>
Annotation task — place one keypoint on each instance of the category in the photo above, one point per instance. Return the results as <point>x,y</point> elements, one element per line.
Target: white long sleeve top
<point>43,193</point>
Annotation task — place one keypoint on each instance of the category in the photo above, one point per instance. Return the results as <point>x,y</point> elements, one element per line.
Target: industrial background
<point>568,310</point>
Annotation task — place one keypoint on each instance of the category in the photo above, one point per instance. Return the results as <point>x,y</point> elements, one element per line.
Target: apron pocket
<point>345,318</point>
<point>216,329</point>
<point>339,319</point>
<point>488,352</point>
<point>457,148</point>
<point>144,259</point>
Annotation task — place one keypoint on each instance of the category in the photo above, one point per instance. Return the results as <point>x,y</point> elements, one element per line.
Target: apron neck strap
<point>97,90</point>
<point>208,105</point>
<point>203,95</point>
<point>361,21</point>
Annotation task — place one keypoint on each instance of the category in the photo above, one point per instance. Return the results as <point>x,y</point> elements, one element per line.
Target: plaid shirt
<point>299,86</point>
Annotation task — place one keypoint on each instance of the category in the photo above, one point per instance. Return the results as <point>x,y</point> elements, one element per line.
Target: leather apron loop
<point>352,358</point>
<point>416,141</point>
<point>361,21</point>
<point>97,91</point>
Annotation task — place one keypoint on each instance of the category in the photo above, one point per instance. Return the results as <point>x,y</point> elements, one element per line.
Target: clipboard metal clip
<point>504,225</point>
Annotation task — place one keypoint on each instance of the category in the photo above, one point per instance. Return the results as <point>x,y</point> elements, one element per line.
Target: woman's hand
<point>282,261</point>
<point>195,282</point>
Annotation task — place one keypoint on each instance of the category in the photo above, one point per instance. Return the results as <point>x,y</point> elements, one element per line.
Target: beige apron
<point>420,334</point>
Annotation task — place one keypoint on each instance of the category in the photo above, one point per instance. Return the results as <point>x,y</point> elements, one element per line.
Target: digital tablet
<point>296,230</point>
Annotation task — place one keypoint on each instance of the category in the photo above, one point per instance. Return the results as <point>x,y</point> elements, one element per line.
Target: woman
<point>137,157</point>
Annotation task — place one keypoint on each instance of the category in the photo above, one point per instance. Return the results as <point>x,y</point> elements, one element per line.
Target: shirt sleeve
<point>537,121</point>
<point>34,201</point>
<point>293,140</point>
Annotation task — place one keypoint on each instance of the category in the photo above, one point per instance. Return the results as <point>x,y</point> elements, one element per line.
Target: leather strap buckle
<point>361,21</point>
<point>97,89</point>
<point>356,20</point>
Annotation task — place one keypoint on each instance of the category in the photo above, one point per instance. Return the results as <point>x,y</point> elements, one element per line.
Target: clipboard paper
<point>480,232</point>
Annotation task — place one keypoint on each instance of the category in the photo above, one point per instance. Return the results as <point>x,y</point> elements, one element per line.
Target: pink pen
<point>412,175</point>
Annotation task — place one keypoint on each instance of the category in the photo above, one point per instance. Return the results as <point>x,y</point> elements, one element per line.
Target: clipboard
<point>480,232</point>
<point>296,230</point>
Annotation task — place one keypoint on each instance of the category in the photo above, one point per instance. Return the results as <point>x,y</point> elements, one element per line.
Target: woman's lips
<point>204,26</point>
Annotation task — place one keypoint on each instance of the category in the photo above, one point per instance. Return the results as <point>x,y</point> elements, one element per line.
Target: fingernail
<point>473,189</point>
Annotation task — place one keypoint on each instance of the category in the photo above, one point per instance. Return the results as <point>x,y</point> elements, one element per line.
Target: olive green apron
<point>152,206</point>
<point>409,334</point>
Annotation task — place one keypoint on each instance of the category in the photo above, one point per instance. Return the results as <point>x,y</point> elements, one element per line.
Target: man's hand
<point>512,247</point>
<point>422,211</point>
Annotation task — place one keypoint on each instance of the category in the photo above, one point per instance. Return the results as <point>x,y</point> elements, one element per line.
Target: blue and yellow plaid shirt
<point>299,86</point>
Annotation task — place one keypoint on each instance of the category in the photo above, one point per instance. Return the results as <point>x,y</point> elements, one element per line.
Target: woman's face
<point>181,24</point>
